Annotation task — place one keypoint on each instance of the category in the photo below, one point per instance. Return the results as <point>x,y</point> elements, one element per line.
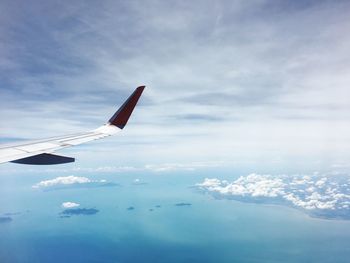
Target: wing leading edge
<point>41,152</point>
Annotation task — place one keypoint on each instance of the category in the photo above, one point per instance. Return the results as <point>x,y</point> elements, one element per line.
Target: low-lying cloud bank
<point>71,182</point>
<point>319,196</point>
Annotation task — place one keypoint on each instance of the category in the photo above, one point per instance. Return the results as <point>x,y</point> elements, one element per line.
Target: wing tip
<point>121,117</point>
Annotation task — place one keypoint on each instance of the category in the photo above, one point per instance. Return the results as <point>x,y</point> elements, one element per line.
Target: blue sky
<point>229,83</point>
<point>245,119</point>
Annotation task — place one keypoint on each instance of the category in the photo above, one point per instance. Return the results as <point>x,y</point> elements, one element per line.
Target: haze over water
<point>170,222</point>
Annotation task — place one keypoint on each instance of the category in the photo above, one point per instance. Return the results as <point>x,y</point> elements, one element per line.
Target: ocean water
<point>156,230</point>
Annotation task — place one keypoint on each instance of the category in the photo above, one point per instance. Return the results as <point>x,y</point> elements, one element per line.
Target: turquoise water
<point>207,231</point>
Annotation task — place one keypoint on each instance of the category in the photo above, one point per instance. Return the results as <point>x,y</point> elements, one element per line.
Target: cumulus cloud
<point>70,205</point>
<point>71,181</point>
<point>269,66</point>
<point>251,185</point>
<point>64,180</point>
<point>318,195</point>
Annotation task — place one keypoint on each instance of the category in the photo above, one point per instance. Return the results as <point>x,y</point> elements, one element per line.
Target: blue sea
<point>156,217</point>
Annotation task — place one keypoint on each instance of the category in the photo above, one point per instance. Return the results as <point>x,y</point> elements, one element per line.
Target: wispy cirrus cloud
<point>221,75</point>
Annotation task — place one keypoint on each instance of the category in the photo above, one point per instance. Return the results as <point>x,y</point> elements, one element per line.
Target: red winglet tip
<point>121,117</point>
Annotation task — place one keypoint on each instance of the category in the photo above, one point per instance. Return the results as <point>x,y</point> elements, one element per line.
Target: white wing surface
<point>41,152</point>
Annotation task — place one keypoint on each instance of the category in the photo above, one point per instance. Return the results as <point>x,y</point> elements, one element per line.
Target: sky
<point>231,82</point>
<point>238,148</point>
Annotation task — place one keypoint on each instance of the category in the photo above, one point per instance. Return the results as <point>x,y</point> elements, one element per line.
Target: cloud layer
<point>246,78</point>
<point>319,196</point>
<point>71,182</point>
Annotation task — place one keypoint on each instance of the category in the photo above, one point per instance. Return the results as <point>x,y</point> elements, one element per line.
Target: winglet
<point>121,117</point>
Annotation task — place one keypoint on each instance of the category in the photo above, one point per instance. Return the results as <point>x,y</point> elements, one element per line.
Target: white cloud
<point>210,183</point>
<point>252,185</point>
<point>279,96</point>
<point>320,183</point>
<point>70,205</point>
<point>192,166</point>
<point>159,167</point>
<point>307,192</point>
<point>64,180</point>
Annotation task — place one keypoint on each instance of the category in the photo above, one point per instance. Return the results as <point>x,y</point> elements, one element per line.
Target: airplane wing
<point>41,152</point>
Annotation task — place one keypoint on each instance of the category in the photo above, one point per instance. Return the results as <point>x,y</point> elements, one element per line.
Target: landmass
<point>5,219</point>
<point>183,204</point>
<point>79,211</point>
